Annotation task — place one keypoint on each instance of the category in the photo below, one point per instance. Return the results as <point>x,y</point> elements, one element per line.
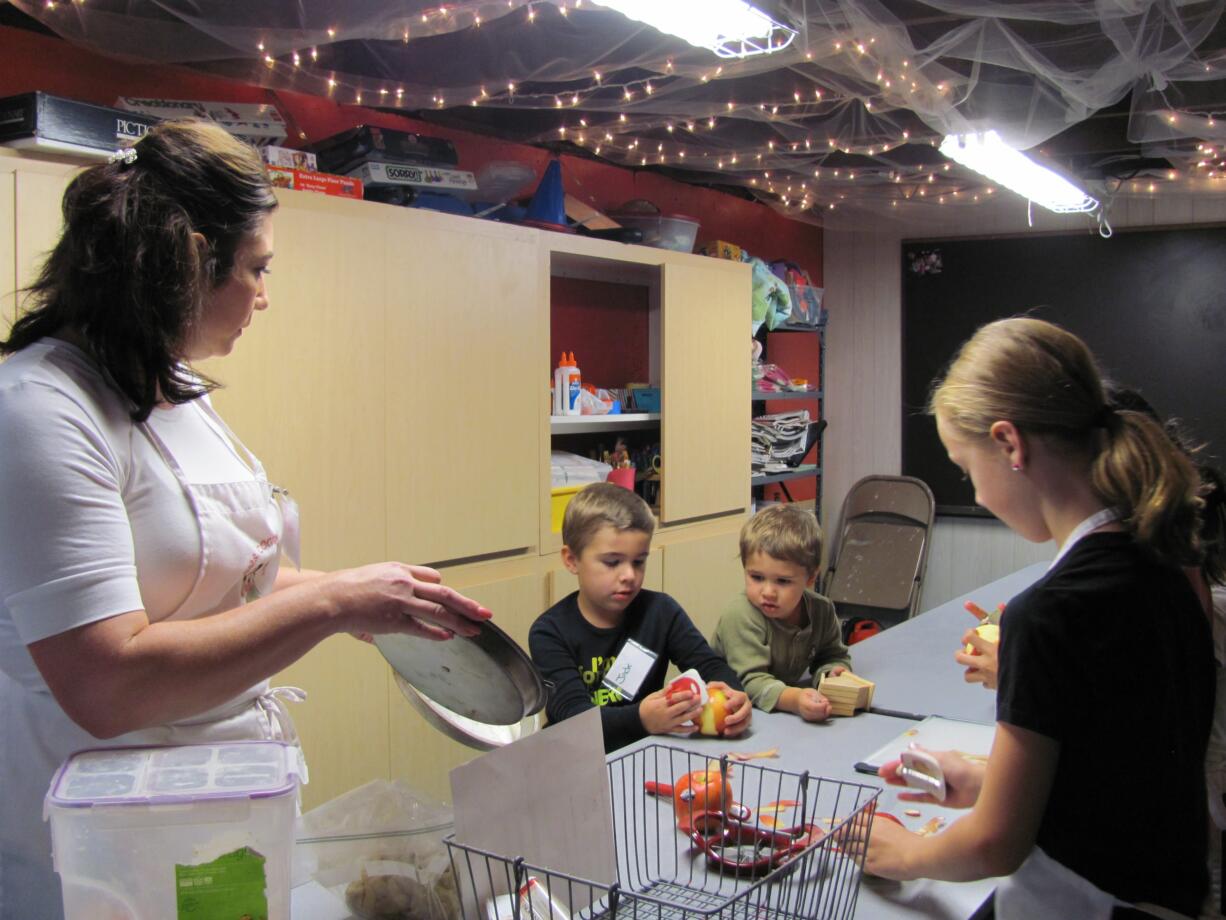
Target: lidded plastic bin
<point>203,830</point>
<point>675,231</point>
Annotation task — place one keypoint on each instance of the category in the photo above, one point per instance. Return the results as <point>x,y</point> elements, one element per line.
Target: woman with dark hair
<point>141,596</point>
<point>1092,799</point>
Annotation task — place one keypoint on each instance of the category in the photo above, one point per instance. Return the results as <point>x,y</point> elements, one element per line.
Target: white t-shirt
<point>93,522</point>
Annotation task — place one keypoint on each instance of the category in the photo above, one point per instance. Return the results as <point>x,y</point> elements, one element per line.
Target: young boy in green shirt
<point>780,629</point>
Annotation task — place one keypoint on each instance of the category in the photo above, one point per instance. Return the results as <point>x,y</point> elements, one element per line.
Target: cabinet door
<point>704,575</point>
<point>706,392</point>
<point>306,385</point>
<point>304,388</point>
<point>420,753</point>
<point>343,724</point>
<point>36,204</point>
<point>464,387</point>
<point>8,251</point>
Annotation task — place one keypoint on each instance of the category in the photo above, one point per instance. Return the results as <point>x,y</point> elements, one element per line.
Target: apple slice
<point>714,713</point>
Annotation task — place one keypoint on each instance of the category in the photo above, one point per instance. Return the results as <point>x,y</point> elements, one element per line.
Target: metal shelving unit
<point>818,396</point>
<point>764,395</point>
<point>808,469</point>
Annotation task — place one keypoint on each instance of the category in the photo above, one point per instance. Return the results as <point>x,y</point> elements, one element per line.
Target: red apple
<point>714,713</point>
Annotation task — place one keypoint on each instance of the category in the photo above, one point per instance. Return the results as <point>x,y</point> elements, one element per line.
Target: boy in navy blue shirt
<point>607,534</point>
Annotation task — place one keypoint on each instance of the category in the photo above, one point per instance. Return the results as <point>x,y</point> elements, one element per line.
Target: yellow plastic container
<point>559,499</point>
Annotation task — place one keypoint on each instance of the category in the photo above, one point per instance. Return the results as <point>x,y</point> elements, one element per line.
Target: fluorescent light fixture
<point>986,153</point>
<point>730,28</point>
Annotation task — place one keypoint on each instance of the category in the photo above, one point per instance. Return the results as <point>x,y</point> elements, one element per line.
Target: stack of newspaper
<point>779,441</point>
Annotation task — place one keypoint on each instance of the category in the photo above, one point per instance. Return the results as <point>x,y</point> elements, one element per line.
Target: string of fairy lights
<point>800,167</point>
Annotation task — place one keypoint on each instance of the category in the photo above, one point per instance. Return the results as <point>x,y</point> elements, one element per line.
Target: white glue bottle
<point>574,383</point>
<point>566,386</point>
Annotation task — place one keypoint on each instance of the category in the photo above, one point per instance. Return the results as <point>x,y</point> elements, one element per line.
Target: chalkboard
<point>1150,304</point>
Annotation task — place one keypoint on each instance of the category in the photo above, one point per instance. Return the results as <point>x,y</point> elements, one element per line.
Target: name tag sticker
<point>630,669</point>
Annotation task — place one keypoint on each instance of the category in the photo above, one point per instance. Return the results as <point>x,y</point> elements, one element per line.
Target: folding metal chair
<point>880,551</point>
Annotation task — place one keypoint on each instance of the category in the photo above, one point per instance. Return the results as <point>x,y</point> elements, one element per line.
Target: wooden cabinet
<point>343,724</point>
<point>419,752</point>
<point>30,195</point>
<point>305,388</point>
<point>704,574</point>
<point>37,207</point>
<point>705,397</point>
<point>8,250</point>
<point>463,386</point>
<point>396,386</point>
<point>699,357</point>
<point>306,384</point>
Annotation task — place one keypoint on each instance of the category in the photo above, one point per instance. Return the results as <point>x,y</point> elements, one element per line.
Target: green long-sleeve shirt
<point>769,656</point>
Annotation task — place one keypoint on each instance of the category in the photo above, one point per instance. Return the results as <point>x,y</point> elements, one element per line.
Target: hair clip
<point>125,156</point>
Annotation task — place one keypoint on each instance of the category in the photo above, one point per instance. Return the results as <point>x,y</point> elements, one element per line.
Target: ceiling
<point>1122,95</point>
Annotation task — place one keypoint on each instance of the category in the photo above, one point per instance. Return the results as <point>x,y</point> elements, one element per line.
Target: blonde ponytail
<point>1044,380</point>
<point>1141,471</point>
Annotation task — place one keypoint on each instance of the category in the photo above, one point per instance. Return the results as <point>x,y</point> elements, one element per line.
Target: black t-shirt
<point>574,656</point>
<point>1110,655</point>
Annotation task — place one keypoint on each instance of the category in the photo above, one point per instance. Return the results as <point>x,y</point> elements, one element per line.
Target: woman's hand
<point>392,597</point>
<point>812,706</point>
<point>739,709</point>
<point>662,713</point>
<point>963,780</point>
<point>981,666</point>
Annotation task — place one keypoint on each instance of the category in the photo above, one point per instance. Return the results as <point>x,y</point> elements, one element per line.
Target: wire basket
<point>694,839</point>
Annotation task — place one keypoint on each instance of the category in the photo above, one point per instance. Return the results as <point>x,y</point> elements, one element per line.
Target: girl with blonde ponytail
<point>1093,798</point>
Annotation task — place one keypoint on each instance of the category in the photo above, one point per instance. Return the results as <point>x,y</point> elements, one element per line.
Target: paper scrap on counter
<point>745,756</point>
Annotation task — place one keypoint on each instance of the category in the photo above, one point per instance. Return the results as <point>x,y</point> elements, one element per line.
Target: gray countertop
<point>913,663</point>
<point>913,667</point>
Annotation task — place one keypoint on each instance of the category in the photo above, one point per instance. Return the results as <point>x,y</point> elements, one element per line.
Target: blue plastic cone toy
<point>548,204</point>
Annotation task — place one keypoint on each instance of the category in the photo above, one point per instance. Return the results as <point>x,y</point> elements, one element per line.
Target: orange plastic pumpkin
<point>699,793</point>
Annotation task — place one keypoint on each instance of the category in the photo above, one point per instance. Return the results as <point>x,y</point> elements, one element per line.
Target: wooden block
<point>847,692</point>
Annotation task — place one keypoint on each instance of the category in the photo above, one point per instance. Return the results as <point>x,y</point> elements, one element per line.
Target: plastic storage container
<point>559,498</point>
<point>676,232</point>
<point>163,832</point>
<point>379,848</point>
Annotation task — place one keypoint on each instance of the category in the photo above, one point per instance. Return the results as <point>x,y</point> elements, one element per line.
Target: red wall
<point>605,326</point>
<point>37,62</point>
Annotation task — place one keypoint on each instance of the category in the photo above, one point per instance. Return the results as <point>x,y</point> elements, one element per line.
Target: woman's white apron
<point>244,527</point>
